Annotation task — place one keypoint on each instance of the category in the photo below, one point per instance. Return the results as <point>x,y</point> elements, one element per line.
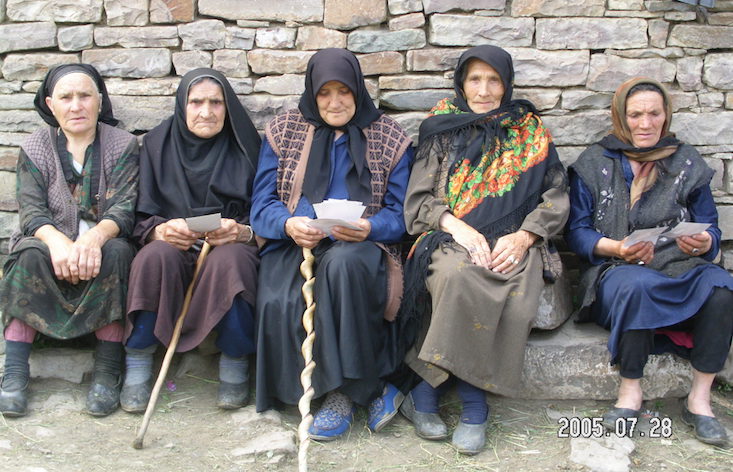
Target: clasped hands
<point>308,237</point>
<point>176,233</point>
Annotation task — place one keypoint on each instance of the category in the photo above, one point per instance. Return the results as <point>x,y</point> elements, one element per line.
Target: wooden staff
<point>138,442</point>
<point>304,404</point>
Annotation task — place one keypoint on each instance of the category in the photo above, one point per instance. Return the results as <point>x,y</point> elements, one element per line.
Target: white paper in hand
<point>204,223</point>
<point>643,235</point>
<point>686,228</point>
<point>337,212</point>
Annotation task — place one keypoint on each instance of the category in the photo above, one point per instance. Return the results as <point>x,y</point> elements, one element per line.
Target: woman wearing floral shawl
<point>486,192</point>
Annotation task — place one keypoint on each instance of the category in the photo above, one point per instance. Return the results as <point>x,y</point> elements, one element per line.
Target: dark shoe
<point>14,383</point>
<point>104,393</point>
<point>102,399</point>
<point>707,428</point>
<point>470,439</point>
<point>14,403</point>
<point>384,408</point>
<point>614,414</point>
<point>232,396</point>
<point>135,398</point>
<point>427,425</point>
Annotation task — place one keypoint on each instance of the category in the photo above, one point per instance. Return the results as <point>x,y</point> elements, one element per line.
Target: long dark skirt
<point>354,345</point>
<point>160,275</point>
<point>31,292</point>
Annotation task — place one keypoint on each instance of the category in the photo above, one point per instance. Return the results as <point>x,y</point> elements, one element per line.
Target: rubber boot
<point>104,392</point>
<point>14,385</point>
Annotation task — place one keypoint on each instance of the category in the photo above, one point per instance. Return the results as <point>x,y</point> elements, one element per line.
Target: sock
<point>139,364</point>
<point>475,408</point>
<point>17,369</point>
<point>426,398</point>
<point>233,370</point>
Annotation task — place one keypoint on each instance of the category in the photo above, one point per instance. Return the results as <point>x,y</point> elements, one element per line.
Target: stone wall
<point>569,57</point>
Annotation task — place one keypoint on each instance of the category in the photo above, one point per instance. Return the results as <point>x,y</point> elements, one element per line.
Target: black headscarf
<point>182,175</point>
<point>342,66</point>
<point>53,76</point>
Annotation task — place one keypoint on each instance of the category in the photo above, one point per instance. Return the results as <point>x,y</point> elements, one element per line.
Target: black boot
<point>104,392</point>
<point>14,385</point>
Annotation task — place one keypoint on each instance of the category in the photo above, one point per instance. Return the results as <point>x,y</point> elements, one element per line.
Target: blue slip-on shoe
<point>333,419</point>
<point>384,408</point>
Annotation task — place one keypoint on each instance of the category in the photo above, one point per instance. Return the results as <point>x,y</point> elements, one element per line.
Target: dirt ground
<point>188,433</point>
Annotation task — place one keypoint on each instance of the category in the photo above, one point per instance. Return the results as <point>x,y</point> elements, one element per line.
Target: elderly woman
<point>201,160</point>
<point>637,177</point>
<point>486,193</point>
<point>336,145</point>
<point>66,275</point>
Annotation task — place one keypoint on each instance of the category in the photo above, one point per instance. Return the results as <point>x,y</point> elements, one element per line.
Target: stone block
<point>2,18</point>
<point>8,158</point>
<point>137,37</point>
<point>605,454</point>
<point>689,72</point>
<point>75,38</point>
<point>241,86</point>
<point>704,128</point>
<point>266,61</point>
<point>239,38</point>
<point>717,165</point>
<point>141,113</point>
<point>378,63</point>
<point>33,66</point>
<point>701,36</point>
<point>717,71</point>
<point>349,15</point>
<point>413,20</point>
<point>253,24</point>
<point>231,62</point>
<point>569,154</point>
<point>317,37</point>
<point>263,108</point>
<point>680,16</point>
<point>581,128</point>
<point>549,68</point>
<point>647,53</point>
<point>29,10</point>
<point>608,72</point>
<point>188,60</point>
<point>274,443</point>
<point>8,223</point>
<point>557,8</point>
<point>729,101</point>
<point>462,30</point>
<point>306,11</point>
<point>721,19</point>
<point>427,60</point>
<point>682,100</point>
<point>9,86</point>
<point>19,101</point>
<point>556,304</point>
<point>144,87</point>
<point>380,40</point>
<point>633,5</point>
<point>591,33</point>
<point>287,84</point>
<point>171,11</point>
<point>202,34</point>
<point>400,7</point>
<point>32,86</point>
<point>275,38</point>
<point>413,82</point>
<point>61,363</point>
<point>7,191</point>
<point>725,222</point>
<point>658,31</point>
<point>77,11</point>
<point>711,99</point>
<point>25,36</point>
<point>572,363</point>
<point>12,139</point>
<point>667,5</point>
<point>440,6</point>
<point>133,62</point>
<point>413,99</point>
<point>584,99</point>
<point>543,98</point>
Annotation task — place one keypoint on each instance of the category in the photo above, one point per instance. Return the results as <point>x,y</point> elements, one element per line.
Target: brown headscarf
<point>620,138</point>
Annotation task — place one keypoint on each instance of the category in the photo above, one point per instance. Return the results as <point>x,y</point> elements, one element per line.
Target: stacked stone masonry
<point>569,57</point>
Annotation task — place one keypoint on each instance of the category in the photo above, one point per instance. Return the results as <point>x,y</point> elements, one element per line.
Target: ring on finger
<point>512,259</point>
<point>695,250</point>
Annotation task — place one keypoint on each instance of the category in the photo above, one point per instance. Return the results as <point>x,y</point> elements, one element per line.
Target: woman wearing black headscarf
<point>199,161</point>
<point>486,193</point>
<point>336,145</point>
<point>66,274</point>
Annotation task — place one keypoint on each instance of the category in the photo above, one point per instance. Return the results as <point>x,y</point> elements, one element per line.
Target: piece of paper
<point>643,235</point>
<point>334,208</point>
<point>204,223</point>
<point>325,224</point>
<point>685,228</point>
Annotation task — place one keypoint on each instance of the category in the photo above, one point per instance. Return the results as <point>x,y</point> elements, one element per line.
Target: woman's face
<point>482,87</point>
<point>205,109</point>
<point>336,103</point>
<point>645,117</point>
<point>75,103</point>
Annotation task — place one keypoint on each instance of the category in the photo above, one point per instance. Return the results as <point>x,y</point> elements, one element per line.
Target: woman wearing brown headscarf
<point>667,296</point>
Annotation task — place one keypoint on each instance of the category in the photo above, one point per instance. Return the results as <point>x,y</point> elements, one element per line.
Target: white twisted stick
<point>304,404</point>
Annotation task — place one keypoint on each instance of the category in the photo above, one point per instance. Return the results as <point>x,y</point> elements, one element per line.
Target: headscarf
<point>52,78</point>
<point>182,175</point>
<point>342,66</point>
<point>620,138</point>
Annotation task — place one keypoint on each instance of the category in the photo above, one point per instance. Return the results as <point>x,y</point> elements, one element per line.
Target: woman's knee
<point>156,254</point>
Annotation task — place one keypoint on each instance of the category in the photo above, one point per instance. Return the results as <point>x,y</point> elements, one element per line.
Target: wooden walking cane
<point>138,442</point>
<point>304,404</point>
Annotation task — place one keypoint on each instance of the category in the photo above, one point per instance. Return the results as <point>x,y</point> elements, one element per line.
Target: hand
<point>60,247</point>
<point>303,235</point>
<point>85,256</point>
<point>695,245</point>
<point>640,253</point>
<point>510,249</point>
<point>229,232</point>
<point>470,239</point>
<point>176,233</point>
<point>343,233</point>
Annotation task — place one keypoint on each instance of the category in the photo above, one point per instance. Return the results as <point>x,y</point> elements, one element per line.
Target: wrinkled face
<point>482,87</point>
<point>336,103</point>
<point>75,103</point>
<point>645,117</point>
<point>205,109</point>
